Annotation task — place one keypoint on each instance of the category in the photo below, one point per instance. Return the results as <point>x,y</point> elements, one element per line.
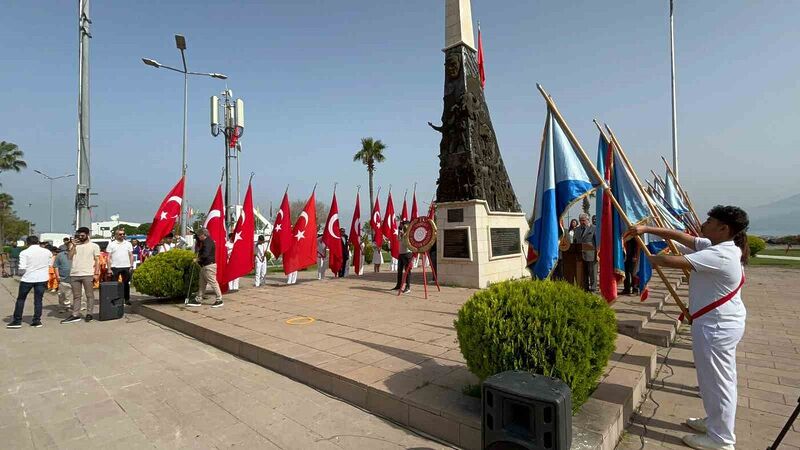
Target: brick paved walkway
<point>131,384</point>
<point>768,362</point>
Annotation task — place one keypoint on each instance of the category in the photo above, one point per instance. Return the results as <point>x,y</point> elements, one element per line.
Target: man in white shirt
<point>261,261</point>
<point>35,262</point>
<point>322,260</point>
<point>120,253</point>
<point>85,257</point>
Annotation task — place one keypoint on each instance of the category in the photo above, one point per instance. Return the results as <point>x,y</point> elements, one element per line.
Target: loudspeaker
<point>112,303</point>
<point>525,411</point>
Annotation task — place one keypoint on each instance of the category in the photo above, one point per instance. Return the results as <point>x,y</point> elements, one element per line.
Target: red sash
<point>712,306</point>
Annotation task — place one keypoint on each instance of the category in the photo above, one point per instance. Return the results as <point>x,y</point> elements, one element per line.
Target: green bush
<point>547,327</point>
<point>166,275</point>
<point>756,244</point>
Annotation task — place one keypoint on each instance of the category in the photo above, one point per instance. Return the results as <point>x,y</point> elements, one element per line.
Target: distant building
<point>104,229</point>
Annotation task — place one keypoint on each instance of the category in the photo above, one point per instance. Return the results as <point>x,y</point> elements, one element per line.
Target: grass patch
<point>780,252</point>
<point>794,264</point>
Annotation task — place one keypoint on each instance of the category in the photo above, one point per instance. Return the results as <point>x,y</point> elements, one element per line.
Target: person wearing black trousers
<point>404,259</point>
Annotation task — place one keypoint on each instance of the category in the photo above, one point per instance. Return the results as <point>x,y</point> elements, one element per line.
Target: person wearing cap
<point>718,315</point>
<point>205,251</point>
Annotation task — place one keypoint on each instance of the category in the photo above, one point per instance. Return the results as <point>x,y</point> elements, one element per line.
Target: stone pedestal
<point>476,247</point>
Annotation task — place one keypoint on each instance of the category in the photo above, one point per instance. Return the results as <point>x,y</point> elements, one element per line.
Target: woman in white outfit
<point>377,257</point>
<point>718,313</point>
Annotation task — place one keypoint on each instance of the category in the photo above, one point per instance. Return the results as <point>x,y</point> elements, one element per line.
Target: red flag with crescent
<point>281,239</point>
<point>303,252</point>
<point>242,260</point>
<point>167,214</point>
<point>404,211</point>
<point>389,228</point>
<point>375,223</point>
<point>215,224</point>
<point>355,236</point>
<point>332,237</point>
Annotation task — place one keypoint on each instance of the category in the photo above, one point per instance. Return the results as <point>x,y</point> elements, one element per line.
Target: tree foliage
<point>371,152</point>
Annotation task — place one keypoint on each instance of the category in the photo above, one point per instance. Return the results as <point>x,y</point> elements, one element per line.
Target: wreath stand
<point>425,257</point>
<point>419,236</point>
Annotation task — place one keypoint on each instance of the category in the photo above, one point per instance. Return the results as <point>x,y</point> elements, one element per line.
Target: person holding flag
<point>303,252</point>
<point>718,314</point>
<point>377,235</point>
<point>280,240</point>
<point>355,238</point>
<point>332,240</point>
<point>261,261</point>
<point>241,258</point>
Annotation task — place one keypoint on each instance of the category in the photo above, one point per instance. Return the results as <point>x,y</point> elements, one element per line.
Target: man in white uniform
<point>718,315</point>
<point>233,285</point>
<point>322,260</point>
<point>261,261</point>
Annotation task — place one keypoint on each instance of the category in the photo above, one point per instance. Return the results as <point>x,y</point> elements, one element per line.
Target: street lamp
<point>51,190</point>
<point>180,43</point>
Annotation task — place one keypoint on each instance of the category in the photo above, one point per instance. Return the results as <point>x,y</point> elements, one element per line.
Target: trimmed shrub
<point>167,275</point>
<point>550,328</point>
<point>756,244</point>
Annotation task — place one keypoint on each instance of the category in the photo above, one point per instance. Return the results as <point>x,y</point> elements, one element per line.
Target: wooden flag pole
<point>681,191</point>
<point>551,104</point>
<point>653,210</point>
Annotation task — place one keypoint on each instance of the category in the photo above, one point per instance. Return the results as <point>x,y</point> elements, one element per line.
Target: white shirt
<point>35,261</point>
<point>261,250</point>
<point>120,253</point>
<point>717,272</point>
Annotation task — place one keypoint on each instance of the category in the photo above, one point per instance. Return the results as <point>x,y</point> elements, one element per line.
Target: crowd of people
<point>74,269</point>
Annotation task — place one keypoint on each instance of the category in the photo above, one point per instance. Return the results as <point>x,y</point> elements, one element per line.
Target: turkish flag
<point>414,206</point>
<point>303,252</point>
<point>481,61</point>
<point>215,224</point>
<point>389,228</point>
<point>333,238</point>
<point>242,259</point>
<point>355,236</point>
<point>164,220</point>
<point>404,211</point>
<point>281,239</point>
<point>375,223</point>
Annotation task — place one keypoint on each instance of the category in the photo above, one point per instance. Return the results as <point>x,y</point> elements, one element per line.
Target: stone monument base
<point>476,247</point>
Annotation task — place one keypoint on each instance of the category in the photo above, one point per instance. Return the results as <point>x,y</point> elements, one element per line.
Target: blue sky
<point>316,76</point>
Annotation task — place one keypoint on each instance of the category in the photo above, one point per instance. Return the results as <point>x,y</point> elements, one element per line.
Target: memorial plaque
<point>505,241</point>
<point>456,243</point>
<point>455,215</point>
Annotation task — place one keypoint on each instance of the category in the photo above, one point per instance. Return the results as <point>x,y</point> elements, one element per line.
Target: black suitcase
<point>525,411</point>
<point>112,302</point>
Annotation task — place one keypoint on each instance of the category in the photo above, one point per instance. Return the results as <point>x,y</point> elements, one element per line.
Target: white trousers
<point>322,266</point>
<point>393,266</point>
<point>291,278</point>
<point>361,267</point>
<point>233,284</point>
<point>261,272</point>
<point>714,351</point>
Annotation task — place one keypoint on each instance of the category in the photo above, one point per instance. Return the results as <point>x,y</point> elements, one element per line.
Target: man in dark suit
<point>585,236</point>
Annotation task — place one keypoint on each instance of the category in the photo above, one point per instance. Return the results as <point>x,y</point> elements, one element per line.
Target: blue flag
<point>563,179</point>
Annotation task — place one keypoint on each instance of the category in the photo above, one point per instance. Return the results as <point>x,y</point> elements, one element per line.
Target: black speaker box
<point>525,411</point>
<point>112,302</point>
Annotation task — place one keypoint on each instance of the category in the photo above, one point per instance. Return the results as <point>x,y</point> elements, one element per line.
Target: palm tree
<point>371,152</point>
<point>11,157</point>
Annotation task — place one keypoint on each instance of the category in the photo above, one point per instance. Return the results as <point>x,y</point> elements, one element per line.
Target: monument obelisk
<point>482,227</point>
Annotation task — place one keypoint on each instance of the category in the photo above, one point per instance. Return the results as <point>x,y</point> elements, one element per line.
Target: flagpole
<point>551,104</point>
<point>656,214</point>
<point>674,99</point>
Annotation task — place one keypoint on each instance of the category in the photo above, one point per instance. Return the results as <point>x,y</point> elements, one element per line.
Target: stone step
<point>654,320</point>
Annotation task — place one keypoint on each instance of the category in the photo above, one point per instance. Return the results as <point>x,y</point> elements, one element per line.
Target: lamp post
<point>51,190</point>
<point>180,43</point>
